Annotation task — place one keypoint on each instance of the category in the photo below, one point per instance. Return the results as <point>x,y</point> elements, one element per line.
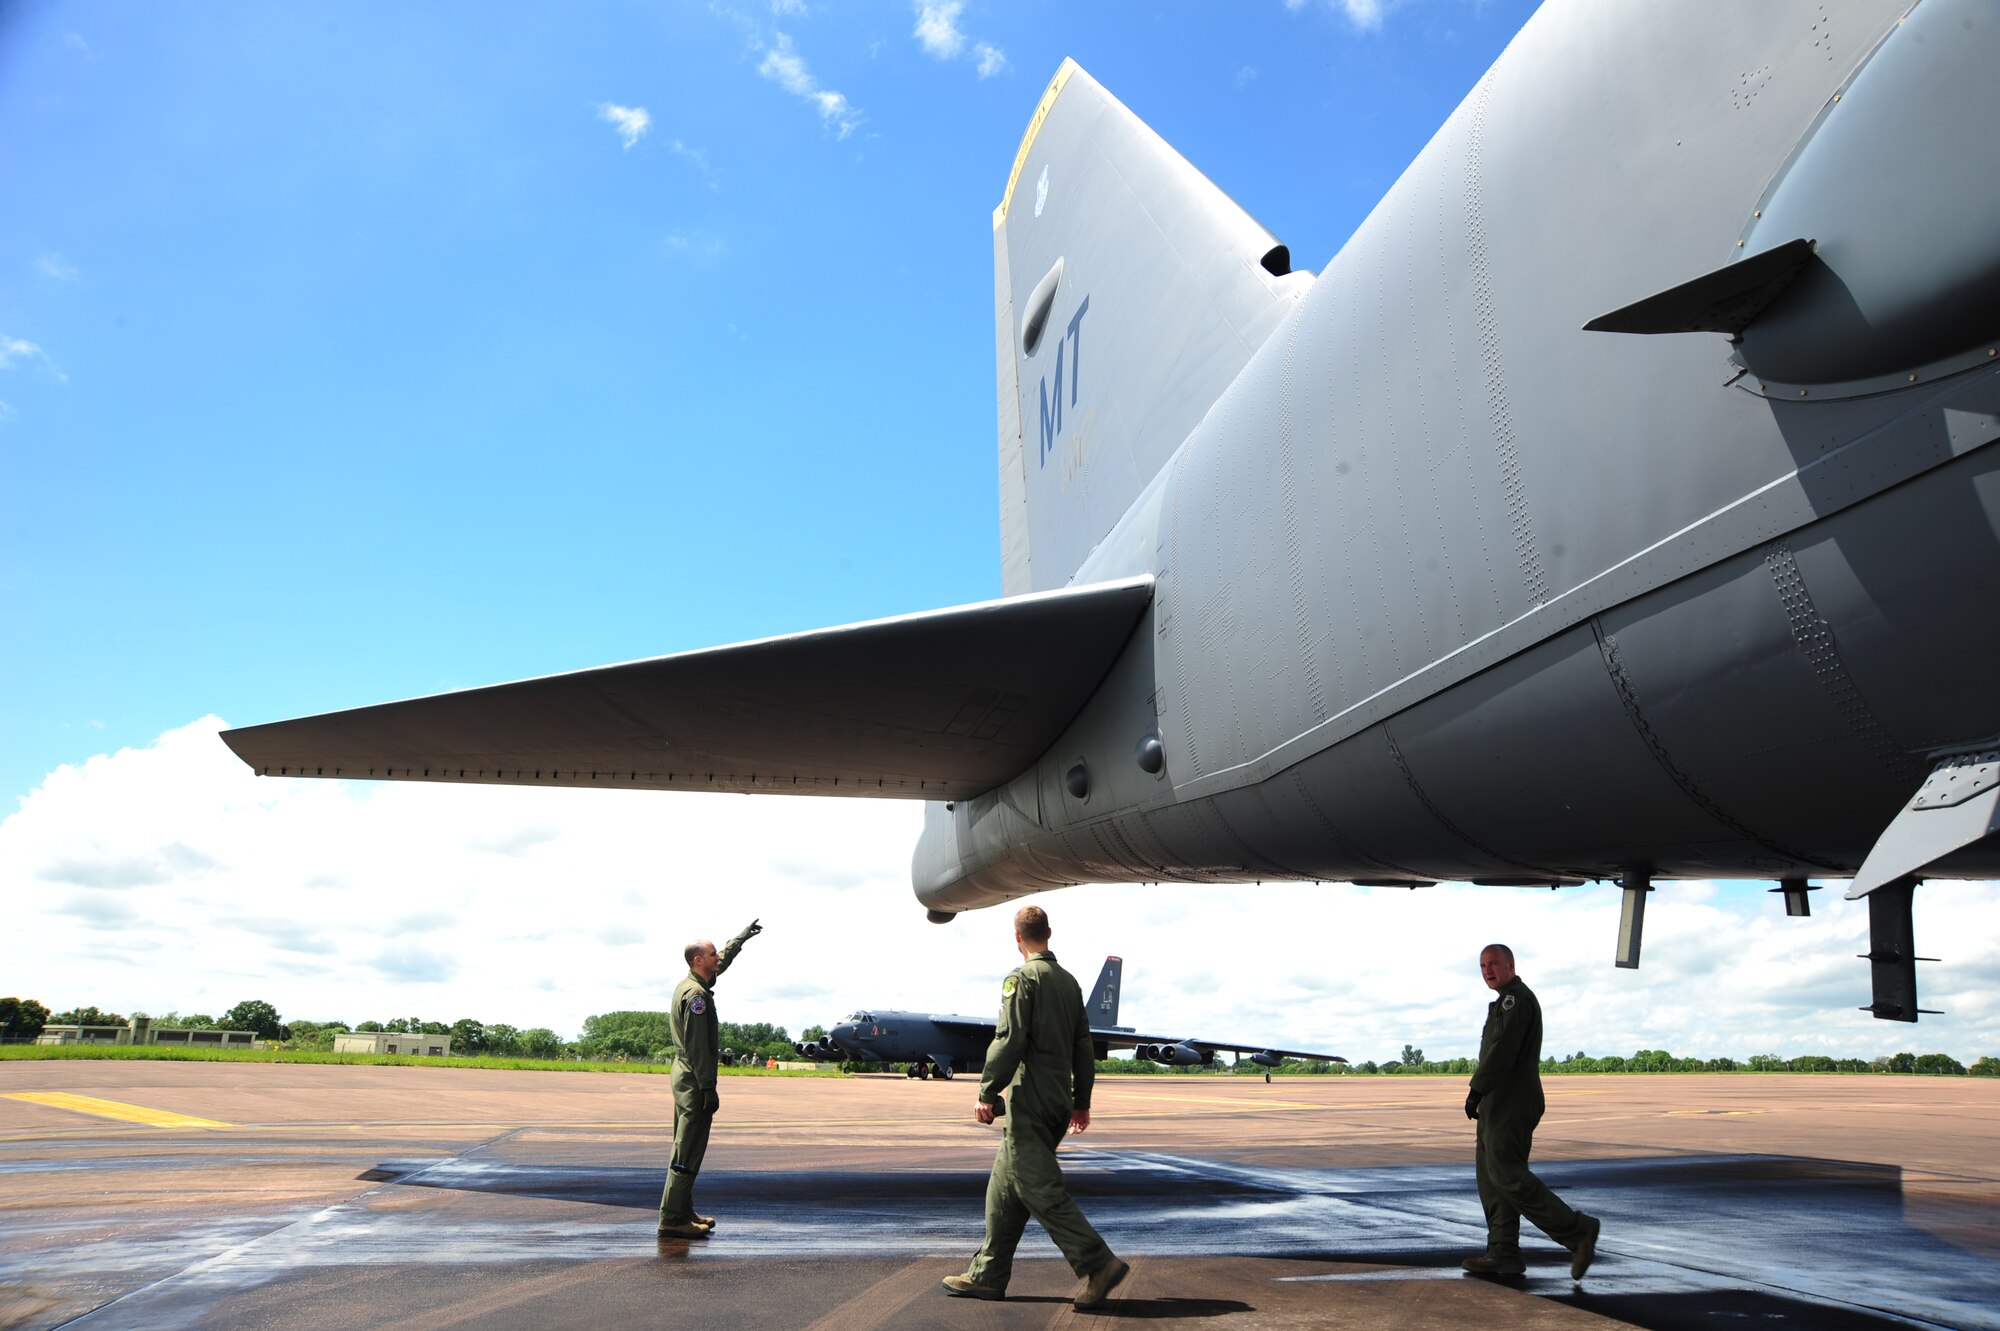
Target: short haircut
<point>1501,948</point>
<point>691,951</point>
<point>1032,923</point>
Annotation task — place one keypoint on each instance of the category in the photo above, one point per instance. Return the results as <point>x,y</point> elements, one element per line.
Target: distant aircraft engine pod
<point>1267,1059</point>
<point>1175,1055</point>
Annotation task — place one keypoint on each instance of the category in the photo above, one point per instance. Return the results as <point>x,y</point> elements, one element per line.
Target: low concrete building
<point>141,1031</point>
<point>392,1042</point>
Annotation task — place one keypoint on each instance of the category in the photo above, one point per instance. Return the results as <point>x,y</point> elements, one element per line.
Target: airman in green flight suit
<point>692,1019</point>
<point>1039,1072</point>
<point>1506,1099</point>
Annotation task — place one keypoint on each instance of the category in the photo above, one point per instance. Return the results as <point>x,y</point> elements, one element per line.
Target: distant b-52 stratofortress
<point>1619,504</point>
<point>931,1044</point>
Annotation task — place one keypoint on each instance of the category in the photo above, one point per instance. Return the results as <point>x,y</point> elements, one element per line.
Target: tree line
<point>642,1036</point>
<point>1659,1060</point>
<point>627,1036</point>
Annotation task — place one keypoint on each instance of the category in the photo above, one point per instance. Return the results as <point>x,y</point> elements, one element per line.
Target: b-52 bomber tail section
<point>1129,292</point>
<point>1619,504</point>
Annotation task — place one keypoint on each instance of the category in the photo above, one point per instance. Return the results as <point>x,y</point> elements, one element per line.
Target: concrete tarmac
<point>165,1195</point>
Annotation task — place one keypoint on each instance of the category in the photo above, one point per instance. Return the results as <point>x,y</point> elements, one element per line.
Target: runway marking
<point>1715,1113</point>
<point>88,1104</point>
<point>1214,1105</point>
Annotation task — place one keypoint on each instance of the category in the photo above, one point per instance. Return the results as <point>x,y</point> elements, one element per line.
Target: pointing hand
<point>754,929</point>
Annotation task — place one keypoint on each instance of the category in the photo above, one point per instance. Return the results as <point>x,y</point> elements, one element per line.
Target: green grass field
<point>27,1052</point>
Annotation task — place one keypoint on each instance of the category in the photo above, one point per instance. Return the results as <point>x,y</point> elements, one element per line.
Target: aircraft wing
<point>940,705</point>
<point>1125,1039</point>
<point>986,1024</point>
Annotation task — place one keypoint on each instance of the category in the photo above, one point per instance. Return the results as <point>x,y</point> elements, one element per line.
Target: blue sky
<point>369,357</point>
<point>356,352</point>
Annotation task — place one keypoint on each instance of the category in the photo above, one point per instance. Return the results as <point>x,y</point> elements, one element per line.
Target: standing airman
<point>1042,1054</point>
<point>694,1074</point>
<point>1506,1099</point>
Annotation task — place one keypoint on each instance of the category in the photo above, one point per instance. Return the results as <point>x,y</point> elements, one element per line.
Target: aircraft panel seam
<point>1778,506</point>
<point>1423,797</point>
<point>1347,847</point>
<point>1628,698</point>
<point>1513,485</point>
<point>1814,637</point>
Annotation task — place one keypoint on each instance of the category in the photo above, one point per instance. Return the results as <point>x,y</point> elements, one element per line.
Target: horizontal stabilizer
<point>1727,300</point>
<point>1958,804</point>
<point>940,705</point>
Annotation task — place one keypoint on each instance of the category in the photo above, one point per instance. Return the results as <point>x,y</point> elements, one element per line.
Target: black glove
<point>710,1101</point>
<point>1472,1104</point>
<point>754,929</point>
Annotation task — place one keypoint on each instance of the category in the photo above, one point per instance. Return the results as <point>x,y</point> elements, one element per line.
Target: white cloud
<point>784,66</point>
<point>7,412</point>
<point>937,31</point>
<point>695,242</point>
<point>1246,76</point>
<point>937,27</point>
<point>13,349</point>
<point>1365,15</point>
<point>698,156</point>
<point>168,877</point>
<point>631,122</point>
<point>789,8</point>
<point>56,267</point>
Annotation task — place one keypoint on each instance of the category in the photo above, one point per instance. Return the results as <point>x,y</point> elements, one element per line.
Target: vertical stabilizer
<point>1103,1006</point>
<point>1128,293</point>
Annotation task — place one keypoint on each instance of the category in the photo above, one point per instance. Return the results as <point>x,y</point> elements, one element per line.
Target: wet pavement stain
<point>1688,1242</point>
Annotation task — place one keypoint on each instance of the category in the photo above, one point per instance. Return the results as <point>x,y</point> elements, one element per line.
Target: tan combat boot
<point>1102,1281</point>
<point>965,1287</point>
<point>1496,1264</point>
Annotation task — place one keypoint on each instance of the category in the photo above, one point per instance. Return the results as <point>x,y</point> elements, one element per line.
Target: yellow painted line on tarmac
<point>163,1118</point>
<point>89,1104</point>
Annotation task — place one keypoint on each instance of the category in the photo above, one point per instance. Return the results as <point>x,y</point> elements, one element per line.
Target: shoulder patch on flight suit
<point>1009,985</point>
<point>1506,1004</point>
<point>697,1006</point>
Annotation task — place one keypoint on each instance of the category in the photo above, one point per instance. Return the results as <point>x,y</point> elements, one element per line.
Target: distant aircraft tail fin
<point>1103,1005</point>
<point>1129,291</point>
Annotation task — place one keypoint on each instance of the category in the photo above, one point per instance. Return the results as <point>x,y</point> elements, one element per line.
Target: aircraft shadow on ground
<point>1775,1240</point>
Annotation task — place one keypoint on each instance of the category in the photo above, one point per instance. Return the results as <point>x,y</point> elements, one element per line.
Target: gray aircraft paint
<point>951,1044</point>
<point>1448,588</point>
<point>1403,573</point>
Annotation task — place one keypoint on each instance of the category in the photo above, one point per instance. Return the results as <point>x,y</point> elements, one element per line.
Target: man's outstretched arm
<point>735,945</point>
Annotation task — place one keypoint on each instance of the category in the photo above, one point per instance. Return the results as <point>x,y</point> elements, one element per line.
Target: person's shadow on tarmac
<point>1148,1309</point>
